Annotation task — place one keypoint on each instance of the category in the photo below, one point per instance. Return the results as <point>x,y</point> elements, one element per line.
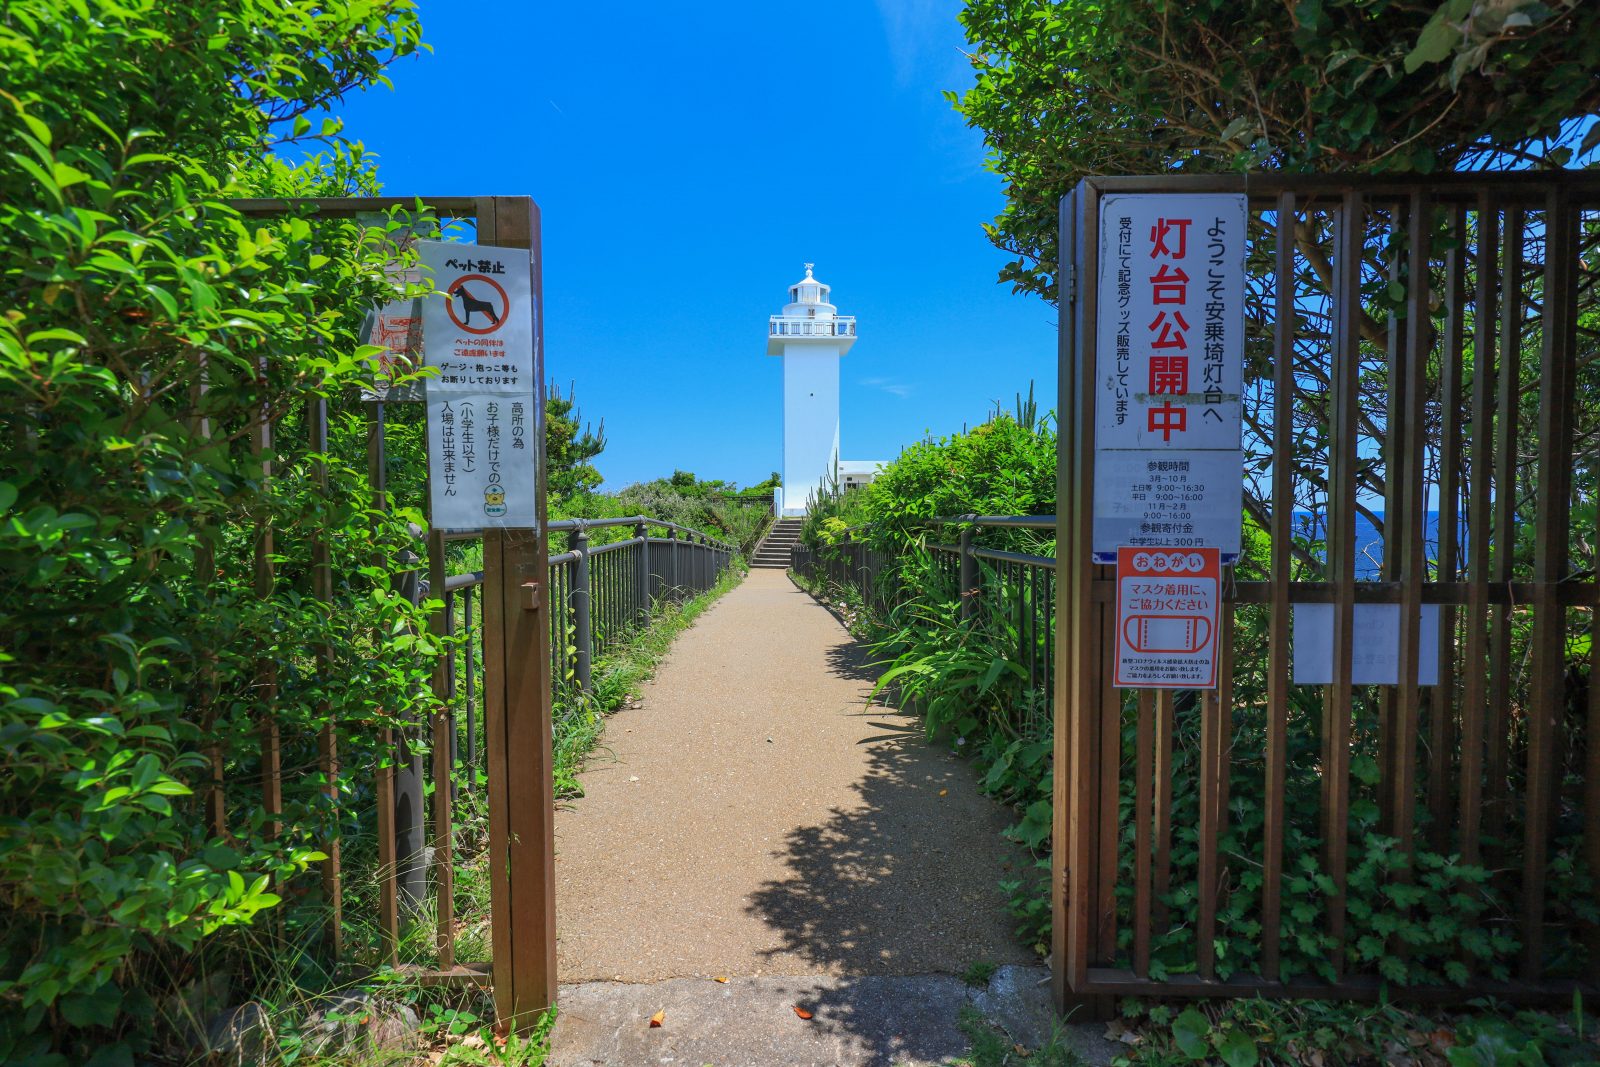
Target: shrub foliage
<point>159,355</point>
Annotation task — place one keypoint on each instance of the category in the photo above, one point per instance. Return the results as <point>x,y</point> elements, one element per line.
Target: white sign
<point>1375,651</point>
<point>483,417</point>
<point>1169,359</point>
<point>1168,615</point>
<point>1170,499</point>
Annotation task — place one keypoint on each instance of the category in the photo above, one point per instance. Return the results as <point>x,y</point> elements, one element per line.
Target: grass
<point>978,974</point>
<point>993,1047</point>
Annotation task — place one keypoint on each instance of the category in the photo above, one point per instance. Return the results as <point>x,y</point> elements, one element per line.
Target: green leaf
<point>1437,40</point>
<point>66,175</point>
<point>1238,1049</point>
<point>165,299</point>
<point>117,1055</point>
<point>1238,126</point>
<point>40,130</point>
<point>1189,1032</point>
<point>39,174</point>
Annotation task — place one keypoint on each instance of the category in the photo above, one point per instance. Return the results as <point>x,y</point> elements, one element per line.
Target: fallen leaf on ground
<point>944,792</point>
<point>659,1017</point>
<point>798,1010</point>
<point>721,978</point>
<point>1021,1050</point>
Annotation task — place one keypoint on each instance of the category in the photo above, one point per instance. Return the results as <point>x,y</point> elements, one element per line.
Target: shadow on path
<point>906,883</point>
<point>854,661</point>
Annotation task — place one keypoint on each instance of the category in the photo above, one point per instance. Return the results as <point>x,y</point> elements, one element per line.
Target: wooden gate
<point>516,690</point>
<point>1420,429</point>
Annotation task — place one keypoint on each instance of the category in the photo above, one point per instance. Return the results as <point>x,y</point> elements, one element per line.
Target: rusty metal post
<point>969,570</point>
<point>641,574</point>
<point>582,619</point>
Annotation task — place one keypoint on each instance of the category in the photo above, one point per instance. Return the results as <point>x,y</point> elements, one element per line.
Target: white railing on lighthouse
<point>839,326</point>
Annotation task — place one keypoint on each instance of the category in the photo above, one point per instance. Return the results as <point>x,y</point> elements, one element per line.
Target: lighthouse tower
<point>809,336</point>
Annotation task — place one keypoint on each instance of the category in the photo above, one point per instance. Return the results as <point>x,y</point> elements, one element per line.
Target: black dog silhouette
<point>470,303</point>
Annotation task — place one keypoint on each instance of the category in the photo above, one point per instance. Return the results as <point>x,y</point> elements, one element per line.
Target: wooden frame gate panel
<point>517,687</point>
<point>1466,784</point>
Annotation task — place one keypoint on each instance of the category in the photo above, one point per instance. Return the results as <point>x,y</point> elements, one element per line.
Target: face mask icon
<point>1166,633</point>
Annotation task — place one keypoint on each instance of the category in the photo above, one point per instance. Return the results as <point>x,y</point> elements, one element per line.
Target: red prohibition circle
<point>450,304</point>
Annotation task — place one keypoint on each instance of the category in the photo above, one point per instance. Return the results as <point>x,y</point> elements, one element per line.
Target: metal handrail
<point>693,563</point>
<point>463,581</point>
<point>1027,522</point>
<point>839,326</point>
<point>572,525</point>
<point>999,555</point>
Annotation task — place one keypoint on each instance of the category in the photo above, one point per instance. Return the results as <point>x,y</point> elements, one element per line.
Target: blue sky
<point>688,160</point>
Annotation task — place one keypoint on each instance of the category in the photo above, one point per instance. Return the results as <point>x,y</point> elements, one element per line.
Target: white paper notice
<point>1167,499</point>
<point>1375,652</point>
<point>484,425</point>
<point>397,326</point>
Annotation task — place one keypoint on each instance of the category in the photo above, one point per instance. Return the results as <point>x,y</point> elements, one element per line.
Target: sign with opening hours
<point>1169,365</point>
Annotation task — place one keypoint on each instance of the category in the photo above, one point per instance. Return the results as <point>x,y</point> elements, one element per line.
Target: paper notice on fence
<point>484,424</point>
<point>1375,650</point>
<point>1168,611</point>
<point>1168,500</point>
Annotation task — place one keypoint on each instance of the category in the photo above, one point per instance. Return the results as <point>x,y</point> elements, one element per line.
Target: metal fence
<point>1419,388</point>
<point>1009,594</point>
<point>598,596</point>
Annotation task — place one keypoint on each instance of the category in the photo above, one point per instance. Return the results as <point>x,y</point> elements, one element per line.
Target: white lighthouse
<point>809,336</point>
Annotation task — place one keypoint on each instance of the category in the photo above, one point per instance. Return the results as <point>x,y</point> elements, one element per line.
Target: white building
<point>810,336</point>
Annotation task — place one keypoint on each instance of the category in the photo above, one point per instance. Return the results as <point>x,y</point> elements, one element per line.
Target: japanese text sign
<point>1168,611</point>
<point>483,417</point>
<point>1171,322</point>
<point>1169,359</point>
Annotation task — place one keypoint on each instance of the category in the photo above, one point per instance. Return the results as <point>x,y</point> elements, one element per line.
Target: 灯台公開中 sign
<point>478,334</point>
<point>1168,612</point>
<point>1169,360</point>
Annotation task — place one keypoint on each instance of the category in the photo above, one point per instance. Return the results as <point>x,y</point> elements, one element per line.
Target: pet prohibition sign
<point>478,335</point>
<point>474,307</point>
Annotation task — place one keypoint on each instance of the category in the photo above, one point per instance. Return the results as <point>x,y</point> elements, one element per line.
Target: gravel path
<point>751,816</point>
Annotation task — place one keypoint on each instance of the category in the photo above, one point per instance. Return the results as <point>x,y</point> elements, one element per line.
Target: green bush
<point>150,332</point>
<point>1423,919</point>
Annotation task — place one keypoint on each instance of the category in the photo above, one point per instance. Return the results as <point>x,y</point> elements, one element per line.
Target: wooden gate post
<point>1072,855</point>
<point>516,695</point>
